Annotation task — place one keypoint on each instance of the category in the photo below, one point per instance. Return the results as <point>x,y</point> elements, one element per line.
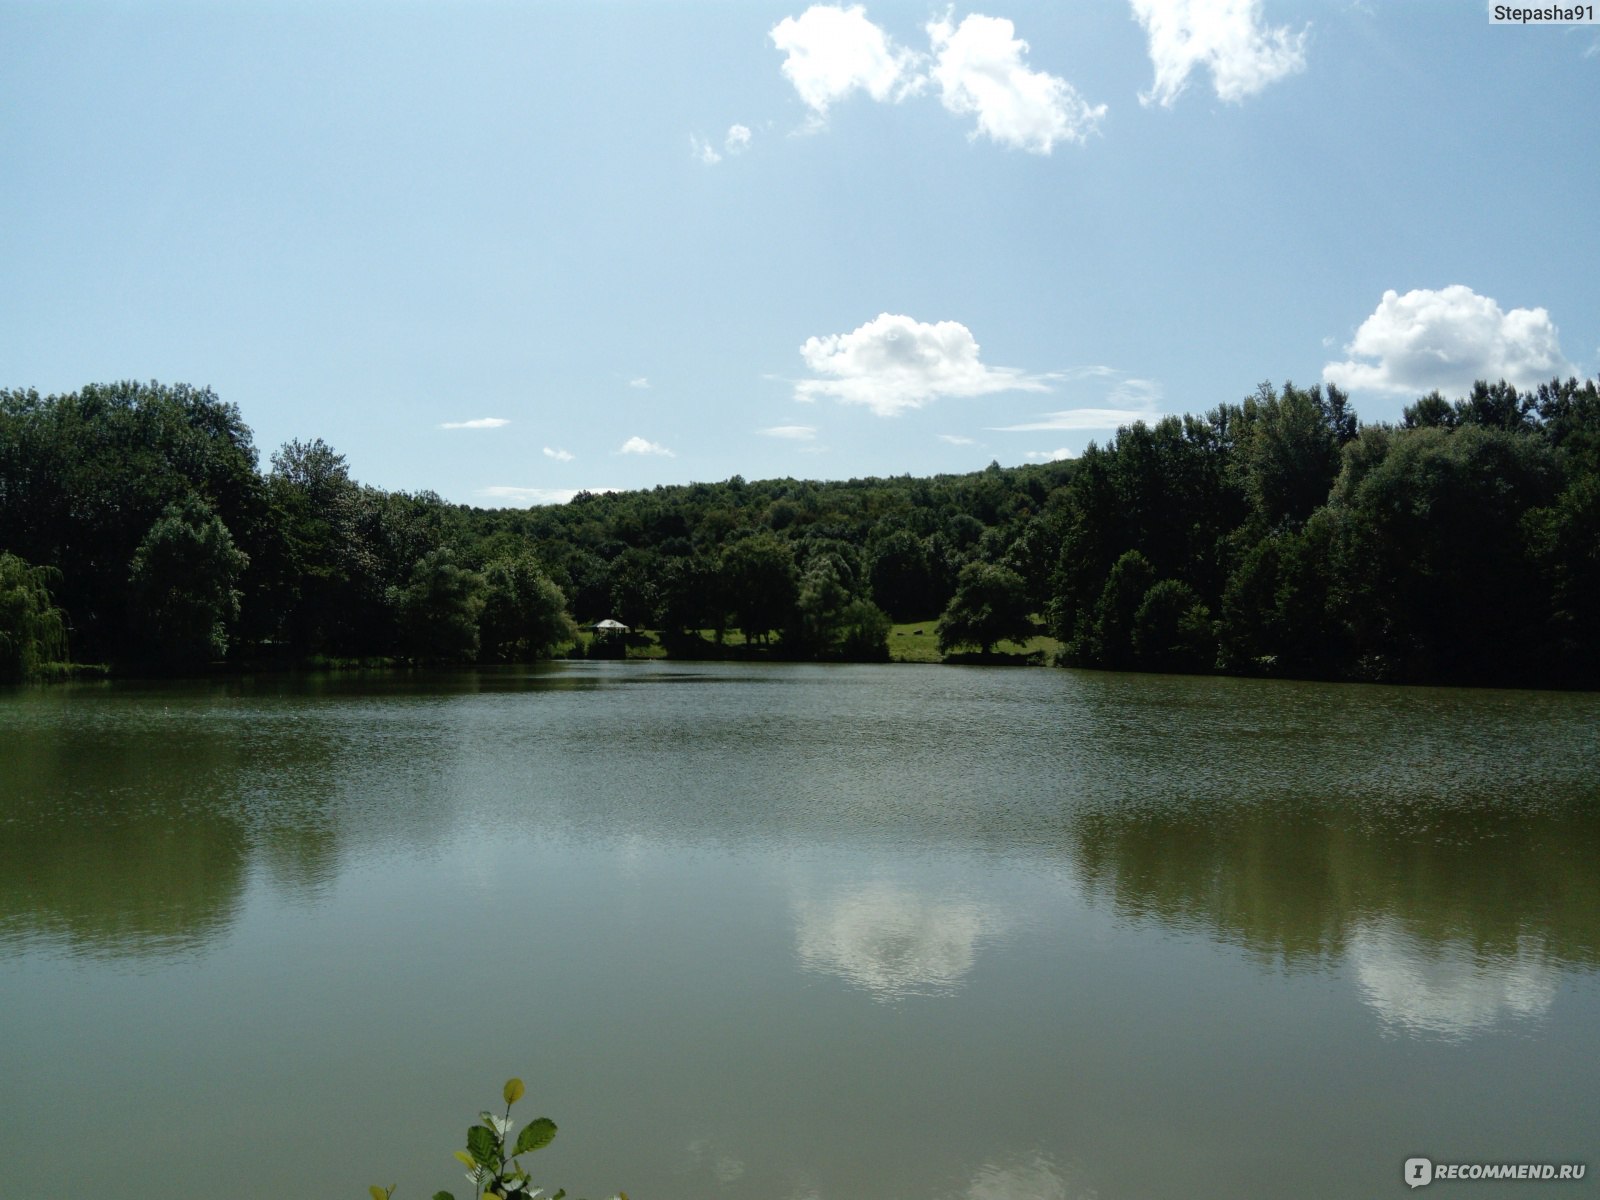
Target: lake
<point>796,933</point>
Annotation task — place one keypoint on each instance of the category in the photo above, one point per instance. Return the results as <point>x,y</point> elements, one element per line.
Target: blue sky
<point>505,251</point>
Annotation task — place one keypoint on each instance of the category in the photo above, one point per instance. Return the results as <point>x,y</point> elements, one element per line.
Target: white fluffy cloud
<point>1050,455</point>
<point>793,433</point>
<point>893,363</point>
<point>476,423</point>
<point>830,52</point>
<point>638,445</point>
<point>1447,339</point>
<point>738,139</point>
<point>1225,37</point>
<point>978,66</point>
<point>641,383</point>
<point>557,454</point>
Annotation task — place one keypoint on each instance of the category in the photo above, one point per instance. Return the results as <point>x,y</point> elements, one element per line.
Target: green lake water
<point>797,933</point>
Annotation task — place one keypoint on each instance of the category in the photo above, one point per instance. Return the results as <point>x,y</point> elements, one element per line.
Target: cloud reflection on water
<point>891,941</point>
<point>1448,988</point>
<point>1027,1178</point>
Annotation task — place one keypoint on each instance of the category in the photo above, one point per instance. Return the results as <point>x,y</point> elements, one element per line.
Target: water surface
<point>790,932</point>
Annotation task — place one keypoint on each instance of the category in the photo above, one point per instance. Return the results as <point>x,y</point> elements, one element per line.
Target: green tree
<point>1291,457</point>
<point>864,632</point>
<point>1111,637</point>
<point>819,608</point>
<point>1172,630</point>
<point>990,605</point>
<point>83,477</point>
<point>524,613</point>
<point>438,610</point>
<point>1438,579</point>
<point>33,631</point>
<point>902,577</point>
<point>760,576</point>
<point>183,586</point>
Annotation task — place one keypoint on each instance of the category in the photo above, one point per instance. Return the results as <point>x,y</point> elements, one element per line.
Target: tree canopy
<point>1273,535</point>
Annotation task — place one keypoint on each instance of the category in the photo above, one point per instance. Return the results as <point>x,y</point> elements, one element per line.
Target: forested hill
<point>1272,536</point>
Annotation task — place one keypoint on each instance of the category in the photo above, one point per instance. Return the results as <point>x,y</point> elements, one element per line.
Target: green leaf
<point>534,1135</point>
<point>484,1146</point>
<point>378,1193</point>
<point>513,1091</point>
<point>443,1196</point>
<point>464,1158</point>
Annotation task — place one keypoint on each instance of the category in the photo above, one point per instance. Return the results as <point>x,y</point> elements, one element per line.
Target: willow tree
<point>33,630</point>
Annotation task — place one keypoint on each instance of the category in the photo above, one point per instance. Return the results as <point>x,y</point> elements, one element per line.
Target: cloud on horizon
<point>532,495</point>
<point>1446,340</point>
<point>1050,455</point>
<point>894,363</point>
<point>1225,37</point>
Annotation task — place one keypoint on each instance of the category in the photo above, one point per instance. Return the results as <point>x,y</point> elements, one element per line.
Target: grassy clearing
<point>914,641</point>
<point>909,642</point>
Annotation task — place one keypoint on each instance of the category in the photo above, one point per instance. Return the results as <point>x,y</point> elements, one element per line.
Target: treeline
<point>1274,536</point>
<point>1278,536</point>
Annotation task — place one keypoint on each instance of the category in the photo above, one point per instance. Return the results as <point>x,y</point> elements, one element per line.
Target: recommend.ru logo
<point>1418,1172</point>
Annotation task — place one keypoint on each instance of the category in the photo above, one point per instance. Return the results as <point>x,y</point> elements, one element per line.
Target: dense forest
<point>1274,536</point>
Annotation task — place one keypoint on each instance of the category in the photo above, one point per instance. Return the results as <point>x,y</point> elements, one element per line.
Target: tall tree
<point>184,586</point>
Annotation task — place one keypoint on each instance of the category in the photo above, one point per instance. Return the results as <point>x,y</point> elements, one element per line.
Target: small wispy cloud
<point>1050,455</point>
<point>531,495</point>
<point>794,433</point>
<point>476,423</point>
<point>638,445</point>
<point>735,142</point>
<point>955,439</point>
<point>558,454</point>
<point>641,383</point>
<point>1081,418</point>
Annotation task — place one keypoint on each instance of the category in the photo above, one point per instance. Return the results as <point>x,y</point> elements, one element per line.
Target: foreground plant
<point>494,1174</point>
